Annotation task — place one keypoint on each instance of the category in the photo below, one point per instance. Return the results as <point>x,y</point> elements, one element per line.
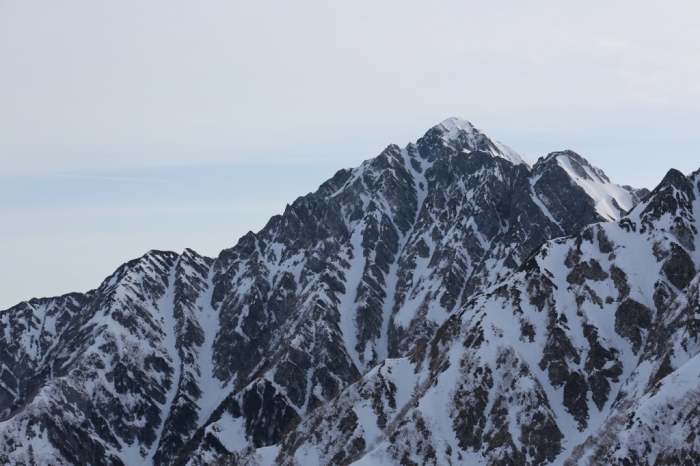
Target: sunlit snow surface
<point>637,417</point>
<point>600,189</point>
<point>456,127</point>
<point>158,345</point>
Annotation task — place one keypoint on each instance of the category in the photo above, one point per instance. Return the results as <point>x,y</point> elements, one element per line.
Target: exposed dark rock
<point>470,404</point>
<point>631,318</point>
<point>557,352</point>
<point>620,281</point>
<point>575,398</point>
<point>266,413</point>
<point>600,389</point>
<point>499,436</point>
<point>586,271</point>
<point>542,438</point>
<point>604,244</point>
<point>395,258</point>
<point>679,267</point>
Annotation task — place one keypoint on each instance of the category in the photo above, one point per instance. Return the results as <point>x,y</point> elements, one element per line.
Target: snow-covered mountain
<point>587,354</point>
<point>444,303</point>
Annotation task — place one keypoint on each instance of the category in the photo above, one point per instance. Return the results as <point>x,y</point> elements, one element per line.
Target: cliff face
<point>587,354</point>
<point>409,291</point>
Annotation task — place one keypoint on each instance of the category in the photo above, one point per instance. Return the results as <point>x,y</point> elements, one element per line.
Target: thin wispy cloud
<point>164,122</point>
<point>96,177</point>
<point>122,85</point>
<point>141,210</point>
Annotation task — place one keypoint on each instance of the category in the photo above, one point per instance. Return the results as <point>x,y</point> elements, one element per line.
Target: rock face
<point>416,309</point>
<point>587,354</point>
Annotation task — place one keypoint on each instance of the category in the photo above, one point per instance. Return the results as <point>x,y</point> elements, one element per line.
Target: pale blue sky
<point>127,126</point>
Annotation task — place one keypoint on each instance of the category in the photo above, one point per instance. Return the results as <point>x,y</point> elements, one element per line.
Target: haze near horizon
<point>128,127</point>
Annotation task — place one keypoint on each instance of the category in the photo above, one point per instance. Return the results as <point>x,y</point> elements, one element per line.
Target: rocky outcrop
<point>180,358</point>
<point>567,361</point>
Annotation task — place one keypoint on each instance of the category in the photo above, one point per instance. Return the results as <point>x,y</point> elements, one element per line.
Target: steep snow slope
<point>180,358</point>
<point>586,355</point>
<point>467,137</point>
<point>127,358</point>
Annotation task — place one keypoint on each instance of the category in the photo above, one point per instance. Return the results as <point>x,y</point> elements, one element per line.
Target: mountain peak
<point>461,134</point>
<point>365,292</point>
<point>455,125</point>
<point>578,165</point>
<point>611,200</point>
